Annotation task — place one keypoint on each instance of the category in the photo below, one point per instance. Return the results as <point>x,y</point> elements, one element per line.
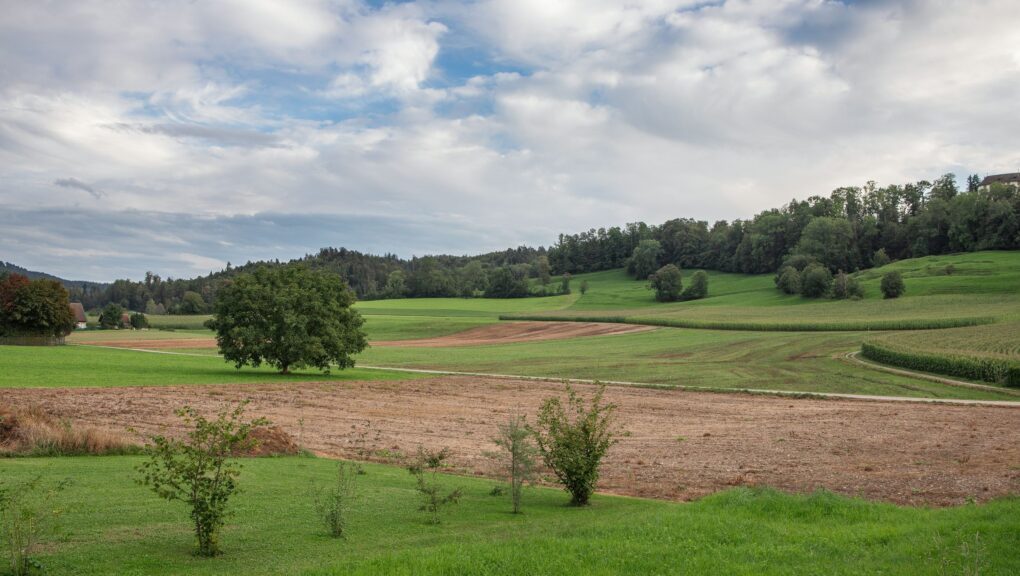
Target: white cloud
<point>527,117</point>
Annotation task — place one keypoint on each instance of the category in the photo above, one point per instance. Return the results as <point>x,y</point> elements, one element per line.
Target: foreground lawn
<point>61,366</point>
<point>113,526</point>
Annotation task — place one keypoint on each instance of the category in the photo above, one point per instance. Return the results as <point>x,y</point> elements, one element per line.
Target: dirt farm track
<point>679,445</point>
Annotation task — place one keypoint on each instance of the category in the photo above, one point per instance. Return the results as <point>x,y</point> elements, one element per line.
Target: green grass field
<point>110,525</point>
<point>806,362</point>
<point>74,366</point>
<point>983,286</point>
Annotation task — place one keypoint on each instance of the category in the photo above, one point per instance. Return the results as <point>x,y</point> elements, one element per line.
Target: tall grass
<point>840,326</point>
<point>33,432</point>
<point>987,369</point>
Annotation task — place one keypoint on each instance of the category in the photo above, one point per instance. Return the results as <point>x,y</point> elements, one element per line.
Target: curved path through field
<point>681,444</point>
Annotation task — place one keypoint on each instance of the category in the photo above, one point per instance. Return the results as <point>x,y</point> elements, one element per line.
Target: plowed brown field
<point>680,445</point>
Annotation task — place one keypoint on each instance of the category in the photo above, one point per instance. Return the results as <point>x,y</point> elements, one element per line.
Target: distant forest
<point>853,228</point>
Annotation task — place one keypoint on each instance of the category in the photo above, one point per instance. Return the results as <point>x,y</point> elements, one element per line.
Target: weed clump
<point>33,432</point>
<point>333,504</point>
<point>425,468</point>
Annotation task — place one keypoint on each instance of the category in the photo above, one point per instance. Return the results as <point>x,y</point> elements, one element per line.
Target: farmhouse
<point>1012,179</point>
<point>79,315</point>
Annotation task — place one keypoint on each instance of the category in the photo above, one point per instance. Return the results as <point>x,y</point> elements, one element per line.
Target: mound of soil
<point>271,441</point>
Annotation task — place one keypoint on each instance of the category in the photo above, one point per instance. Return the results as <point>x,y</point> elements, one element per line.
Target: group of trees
<point>667,282</point>
<point>852,228</point>
<point>34,308</point>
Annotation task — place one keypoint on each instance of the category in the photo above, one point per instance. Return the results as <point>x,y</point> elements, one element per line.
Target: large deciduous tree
<point>34,308</point>
<point>288,317</point>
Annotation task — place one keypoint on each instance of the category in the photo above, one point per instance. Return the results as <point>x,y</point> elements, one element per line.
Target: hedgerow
<point>985,369</point>
<point>845,326</point>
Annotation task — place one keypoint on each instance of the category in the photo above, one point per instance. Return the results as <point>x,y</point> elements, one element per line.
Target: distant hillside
<point>71,285</point>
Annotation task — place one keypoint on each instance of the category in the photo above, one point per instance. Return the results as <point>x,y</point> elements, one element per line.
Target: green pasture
<point>983,286</point>
<point>111,525</point>
<point>807,362</point>
<point>80,366</point>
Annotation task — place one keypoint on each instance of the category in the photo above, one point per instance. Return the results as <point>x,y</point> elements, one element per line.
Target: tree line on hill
<point>843,231</point>
<point>852,228</point>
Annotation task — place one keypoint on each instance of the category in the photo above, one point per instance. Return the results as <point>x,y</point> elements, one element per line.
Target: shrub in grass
<point>434,498</point>
<point>788,280</point>
<point>333,503</point>
<point>27,512</point>
<point>573,438</point>
<point>815,281</point>
<point>845,286</point>
<point>199,471</point>
<point>698,288</point>
<point>139,321</point>
<point>519,453</point>
<point>892,285</point>
<point>667,283</point>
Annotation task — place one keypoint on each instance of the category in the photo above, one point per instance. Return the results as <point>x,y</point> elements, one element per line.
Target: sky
<point>179,136</point>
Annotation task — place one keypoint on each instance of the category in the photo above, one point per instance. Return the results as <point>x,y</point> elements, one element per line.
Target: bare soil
<point>501,333</point>
<point>679,445</point>
<point>506,332</point>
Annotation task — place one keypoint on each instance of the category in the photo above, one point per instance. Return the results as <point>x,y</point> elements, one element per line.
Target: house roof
<point>1012,178</point>
<point>79,312</point>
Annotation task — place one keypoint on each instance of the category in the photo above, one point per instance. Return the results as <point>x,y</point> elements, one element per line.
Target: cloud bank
<point>176,136</point>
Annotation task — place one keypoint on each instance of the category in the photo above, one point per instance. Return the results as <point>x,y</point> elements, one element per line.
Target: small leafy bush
<point>199,471</point>
<point>845,287</point>
<point>815,281</point>
<point>573,439</point>
<point>698,288</point>
<point>425,468</point>
<point>788,280</point>
<point>892,285</point>
<point>333,504</point>
<point>667,283</point>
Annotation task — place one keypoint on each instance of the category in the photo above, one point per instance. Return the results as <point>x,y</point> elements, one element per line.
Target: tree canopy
<point>667,283</point>
<point>34,308</point>
<point>288,317</point>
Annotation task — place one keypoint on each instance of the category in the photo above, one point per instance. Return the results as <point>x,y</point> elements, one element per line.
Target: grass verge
<point>112,526</point>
